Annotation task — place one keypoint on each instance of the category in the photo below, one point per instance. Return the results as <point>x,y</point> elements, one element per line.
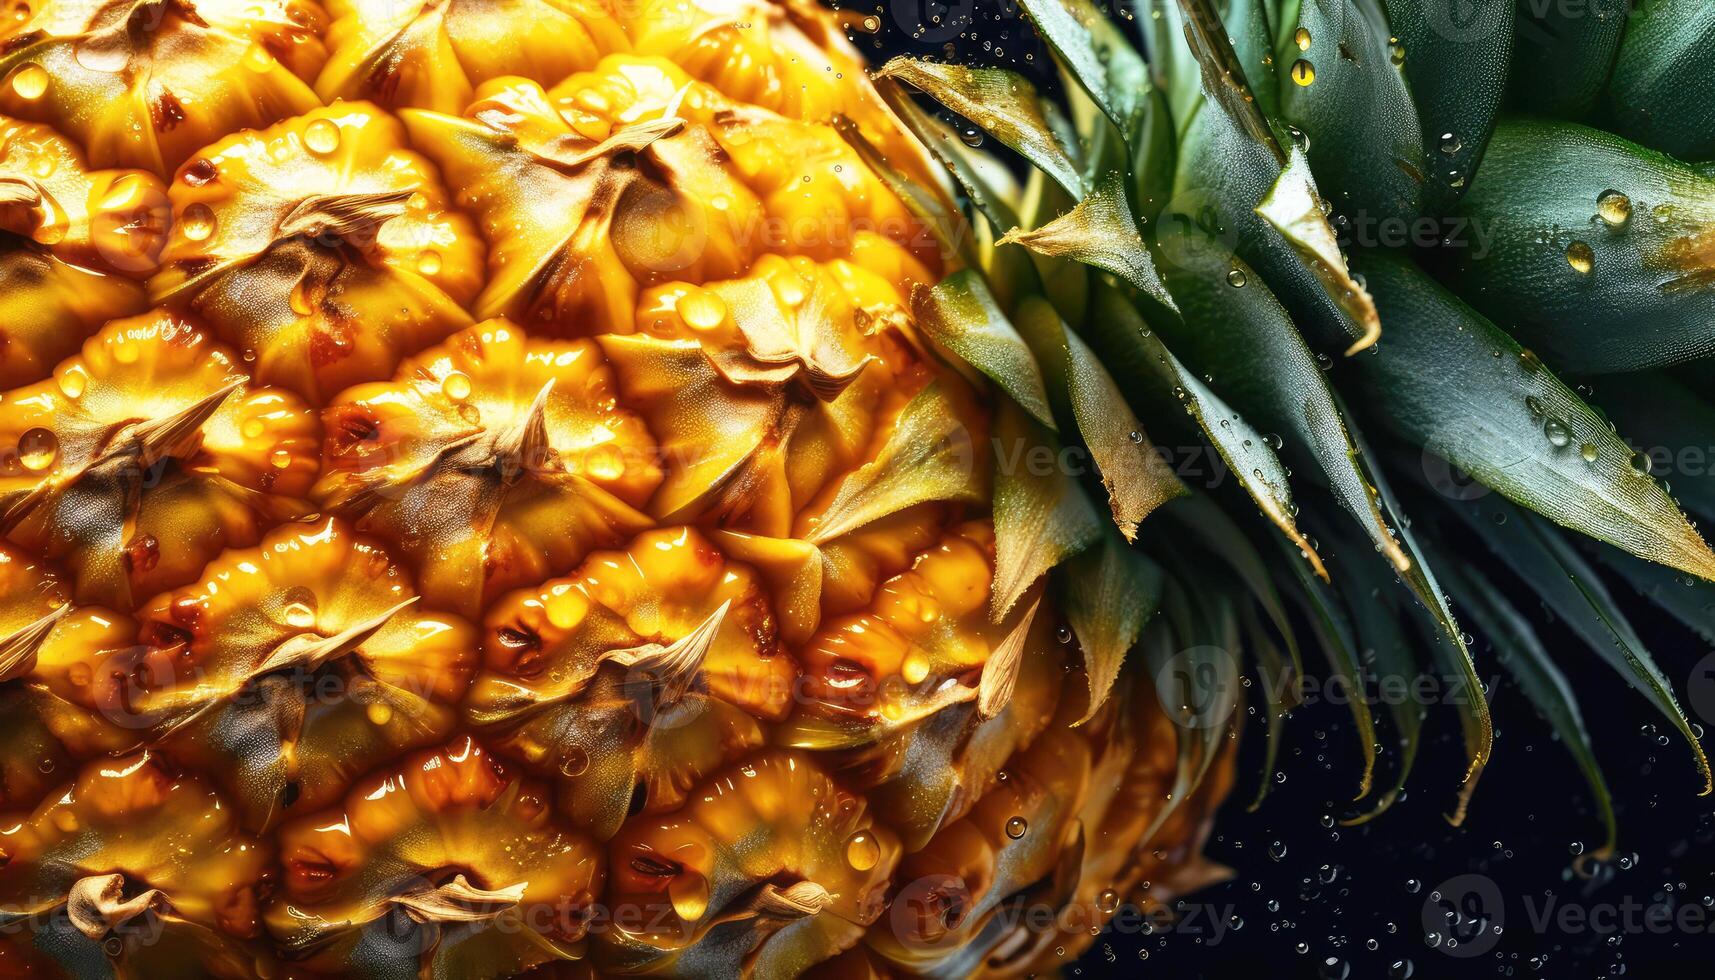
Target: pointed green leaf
<point>1447,640</point>
<point>1108,593</point>
<point>1523,656</point>
<point>951,232</point>
<point>1002,103</point>
<point>984,179</point>
<point>1097,54</point>
<point>1449,381</point>
<point>1230,160</point>
<point>1041,515</point>
<point>1116,326</point>
<point>1689,600</point>
<point>1339,85</point>
<point>1238,334</point>
<point>1572,231</point>
<point>1100,231</point>
<point>1138,479</point>
<point>1294,209</point>
<point>1562,55</point>
<point>1333,632</point>
<point>1456,58</point>
<point>1672,426</point>
<point>1538,553</point>
<point>960,314</point>
<point>1385,646</point>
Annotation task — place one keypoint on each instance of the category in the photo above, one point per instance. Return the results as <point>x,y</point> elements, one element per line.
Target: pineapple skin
<point>457,522</point>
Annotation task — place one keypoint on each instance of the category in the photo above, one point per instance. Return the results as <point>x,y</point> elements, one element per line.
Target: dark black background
<point>1311,898</point>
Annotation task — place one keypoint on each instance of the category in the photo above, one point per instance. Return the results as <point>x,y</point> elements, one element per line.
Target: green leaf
<point>1541,257</point>
<point>1041,515</point>
<point>1562,54</point>
<point>1294,209</point>
<point>1538,554</point>
<point>1344,92</point>
<point>1662,90</point>
<point>1523,656</point>
<point>1097,54</point>
<point>1116,326</point>
<point>1196,682</point>
<point>1449,381</point>
<point>1689,600</point>
<point>1199,516</point>
<point>1333,633</point>
<point>1456,58</point>
<point>1447,642</point>
<point>960,314</point>
<point>1003,104</point>
<point>1657,411</point>
<point>1376,621</point>
<point>984,179</point>
<point>1236,333</point>
<point>1137,478</point>
<point>1229,161</point>
<point>1099,231</point>
<point>1108,592</point>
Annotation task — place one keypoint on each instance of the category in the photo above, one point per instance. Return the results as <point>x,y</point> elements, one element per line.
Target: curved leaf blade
<point>1487,408</point>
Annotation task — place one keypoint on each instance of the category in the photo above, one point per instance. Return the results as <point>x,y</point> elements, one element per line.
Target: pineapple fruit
<point>542,488</point>
<point>477,502</point>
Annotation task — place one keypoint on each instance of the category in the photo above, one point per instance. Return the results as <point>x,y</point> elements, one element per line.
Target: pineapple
<point>548,488</point>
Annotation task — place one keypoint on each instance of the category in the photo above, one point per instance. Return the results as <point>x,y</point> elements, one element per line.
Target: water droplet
<point>280,459</point>
<point>38,448</point>
<point>1016,827</point>
<point>1236,278</point>
<point>258,58</point>
<point>689,893</point>
<point>30,82</point>
<point>915,668</point>
<point>456,386</point>
<point>108,58</point>
<point>1581,258</point>
<point>574,763</point>
<point>701,309</point>
<point>1303,72</point>
<point>322,136</point>
<point>379,713</point>
<point>1614,208</point>
<point>1641,464</point>
<point>1277,850</point>
<point>1302,38</point>
<point>429,262</point>
<point>1557,432</point>
<point>1108,901</point>
<point>197,222</point>
<point>1451,143</point>
<point>862,851</point>
<point>300,610</point>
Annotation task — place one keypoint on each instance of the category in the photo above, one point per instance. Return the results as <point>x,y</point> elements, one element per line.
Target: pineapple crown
<point>1202,240</point>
